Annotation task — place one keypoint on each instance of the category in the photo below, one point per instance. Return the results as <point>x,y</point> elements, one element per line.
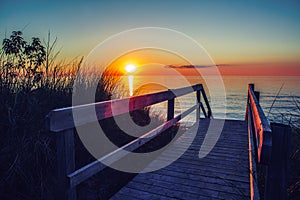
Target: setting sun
<point>130,68</point>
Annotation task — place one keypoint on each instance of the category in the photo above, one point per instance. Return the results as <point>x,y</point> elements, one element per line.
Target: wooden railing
<point>60,122</point>
<point>269,147</point>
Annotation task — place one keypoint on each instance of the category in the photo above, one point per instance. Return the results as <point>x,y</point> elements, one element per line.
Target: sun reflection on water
<point>130,84</point>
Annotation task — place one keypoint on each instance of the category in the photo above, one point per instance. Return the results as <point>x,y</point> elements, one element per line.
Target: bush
<point>32,82</point>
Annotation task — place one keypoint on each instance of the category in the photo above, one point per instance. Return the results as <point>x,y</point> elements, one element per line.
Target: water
<point>283,107</point>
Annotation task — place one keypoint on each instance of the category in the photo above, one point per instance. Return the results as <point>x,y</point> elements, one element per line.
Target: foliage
<point>22,60</point>
<point>33,82</point>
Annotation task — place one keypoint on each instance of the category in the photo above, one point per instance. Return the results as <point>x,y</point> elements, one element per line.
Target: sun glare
<point>130,68</point>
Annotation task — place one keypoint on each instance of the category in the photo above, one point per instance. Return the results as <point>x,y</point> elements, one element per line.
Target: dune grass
<point>294,165</point>
<point>32,83</point>
<point>292,119</point>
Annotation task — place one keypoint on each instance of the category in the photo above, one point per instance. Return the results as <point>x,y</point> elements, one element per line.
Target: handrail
<point>60,121</point>
<point>270,144</point>
<point>261,127</point>
<point>87,171</point>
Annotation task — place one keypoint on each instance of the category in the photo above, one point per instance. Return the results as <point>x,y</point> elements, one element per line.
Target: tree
<point>23,62</point>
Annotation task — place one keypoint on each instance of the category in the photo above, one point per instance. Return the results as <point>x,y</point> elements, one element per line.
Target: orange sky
<point>230,31</point>
<point>242,70</point>
<point>155,62</point>
<point>267,69</point>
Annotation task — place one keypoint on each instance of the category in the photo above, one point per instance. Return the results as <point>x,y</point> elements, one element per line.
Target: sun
<point>130,68</point>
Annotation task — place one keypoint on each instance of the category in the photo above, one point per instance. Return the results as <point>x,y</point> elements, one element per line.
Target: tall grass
<point>294,166</point>
<point>33,82</point>
<point>291,118</point>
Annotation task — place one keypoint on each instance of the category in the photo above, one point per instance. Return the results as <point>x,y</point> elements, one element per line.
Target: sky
<point>231,31</point>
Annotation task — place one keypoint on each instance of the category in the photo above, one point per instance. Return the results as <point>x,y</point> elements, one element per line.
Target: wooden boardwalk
<point>222,174</point>
<point>227,172</point>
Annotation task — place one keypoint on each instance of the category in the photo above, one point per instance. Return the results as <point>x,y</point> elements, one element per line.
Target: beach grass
<point>292,119</point>
<point>293,178</point>
<point>32,83</point>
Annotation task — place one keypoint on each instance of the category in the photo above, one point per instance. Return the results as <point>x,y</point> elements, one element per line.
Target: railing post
<point>250,85</point>
<point>65,155</point>
<point>276,178</point>
<point>170,109</point>
<point>209,114</point>
<point>257,94</point>
<point>198,103</point>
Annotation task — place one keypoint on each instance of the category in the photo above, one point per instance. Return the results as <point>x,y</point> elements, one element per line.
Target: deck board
<point>222,174</point>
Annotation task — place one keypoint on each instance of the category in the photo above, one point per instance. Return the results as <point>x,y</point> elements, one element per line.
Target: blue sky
<point>231,31</point>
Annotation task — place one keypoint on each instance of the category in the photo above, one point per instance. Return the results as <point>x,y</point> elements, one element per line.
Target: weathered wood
<point>209,113</point>
<point>252,152</point>
<point>172,190</point>
<point>62,119</point>
<point>250,86</point>
<point>197,181</point>
<point>257,95</point>
<point>89,170</point>
<point>277,171</point>
<point>203,110</point>
<point>132,194</point>
<point>198,101</point>
<point>169,188</point>
<point>262,129</point>
<point>65,155</point>
<point>215,176</point>
<point>271,146</point>
<point>170,114</point>
<point>210,172</point>
<point>251,127</point>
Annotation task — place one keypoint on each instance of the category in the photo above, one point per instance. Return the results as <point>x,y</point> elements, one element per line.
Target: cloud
<point>186,66</point>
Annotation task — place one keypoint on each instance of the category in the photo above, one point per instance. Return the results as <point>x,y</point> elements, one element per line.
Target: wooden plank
<point>202,186</point>
<point>217,152</point>
<point>136,194</point>
<point>175,186</point>
<point>65,154</point>
<point>206,178</point>
<point>211,164</point>
<point>203,110</point>
<point>200,183</point>
<point>240,156</point>
<point>254,194</point>
<point>223,173</point>
<point>214,174</point>
<point>209,112</point>
<point>61,119</point>
<point>163,190</point>
<point>198,102</point>
<point>170,114</point>
<point>262,129</point>
<point>277,171</point>
<point>126,196</point>
<point>213,155</point>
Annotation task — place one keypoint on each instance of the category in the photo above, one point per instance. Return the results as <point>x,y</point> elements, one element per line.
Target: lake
<point>283,106</point>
